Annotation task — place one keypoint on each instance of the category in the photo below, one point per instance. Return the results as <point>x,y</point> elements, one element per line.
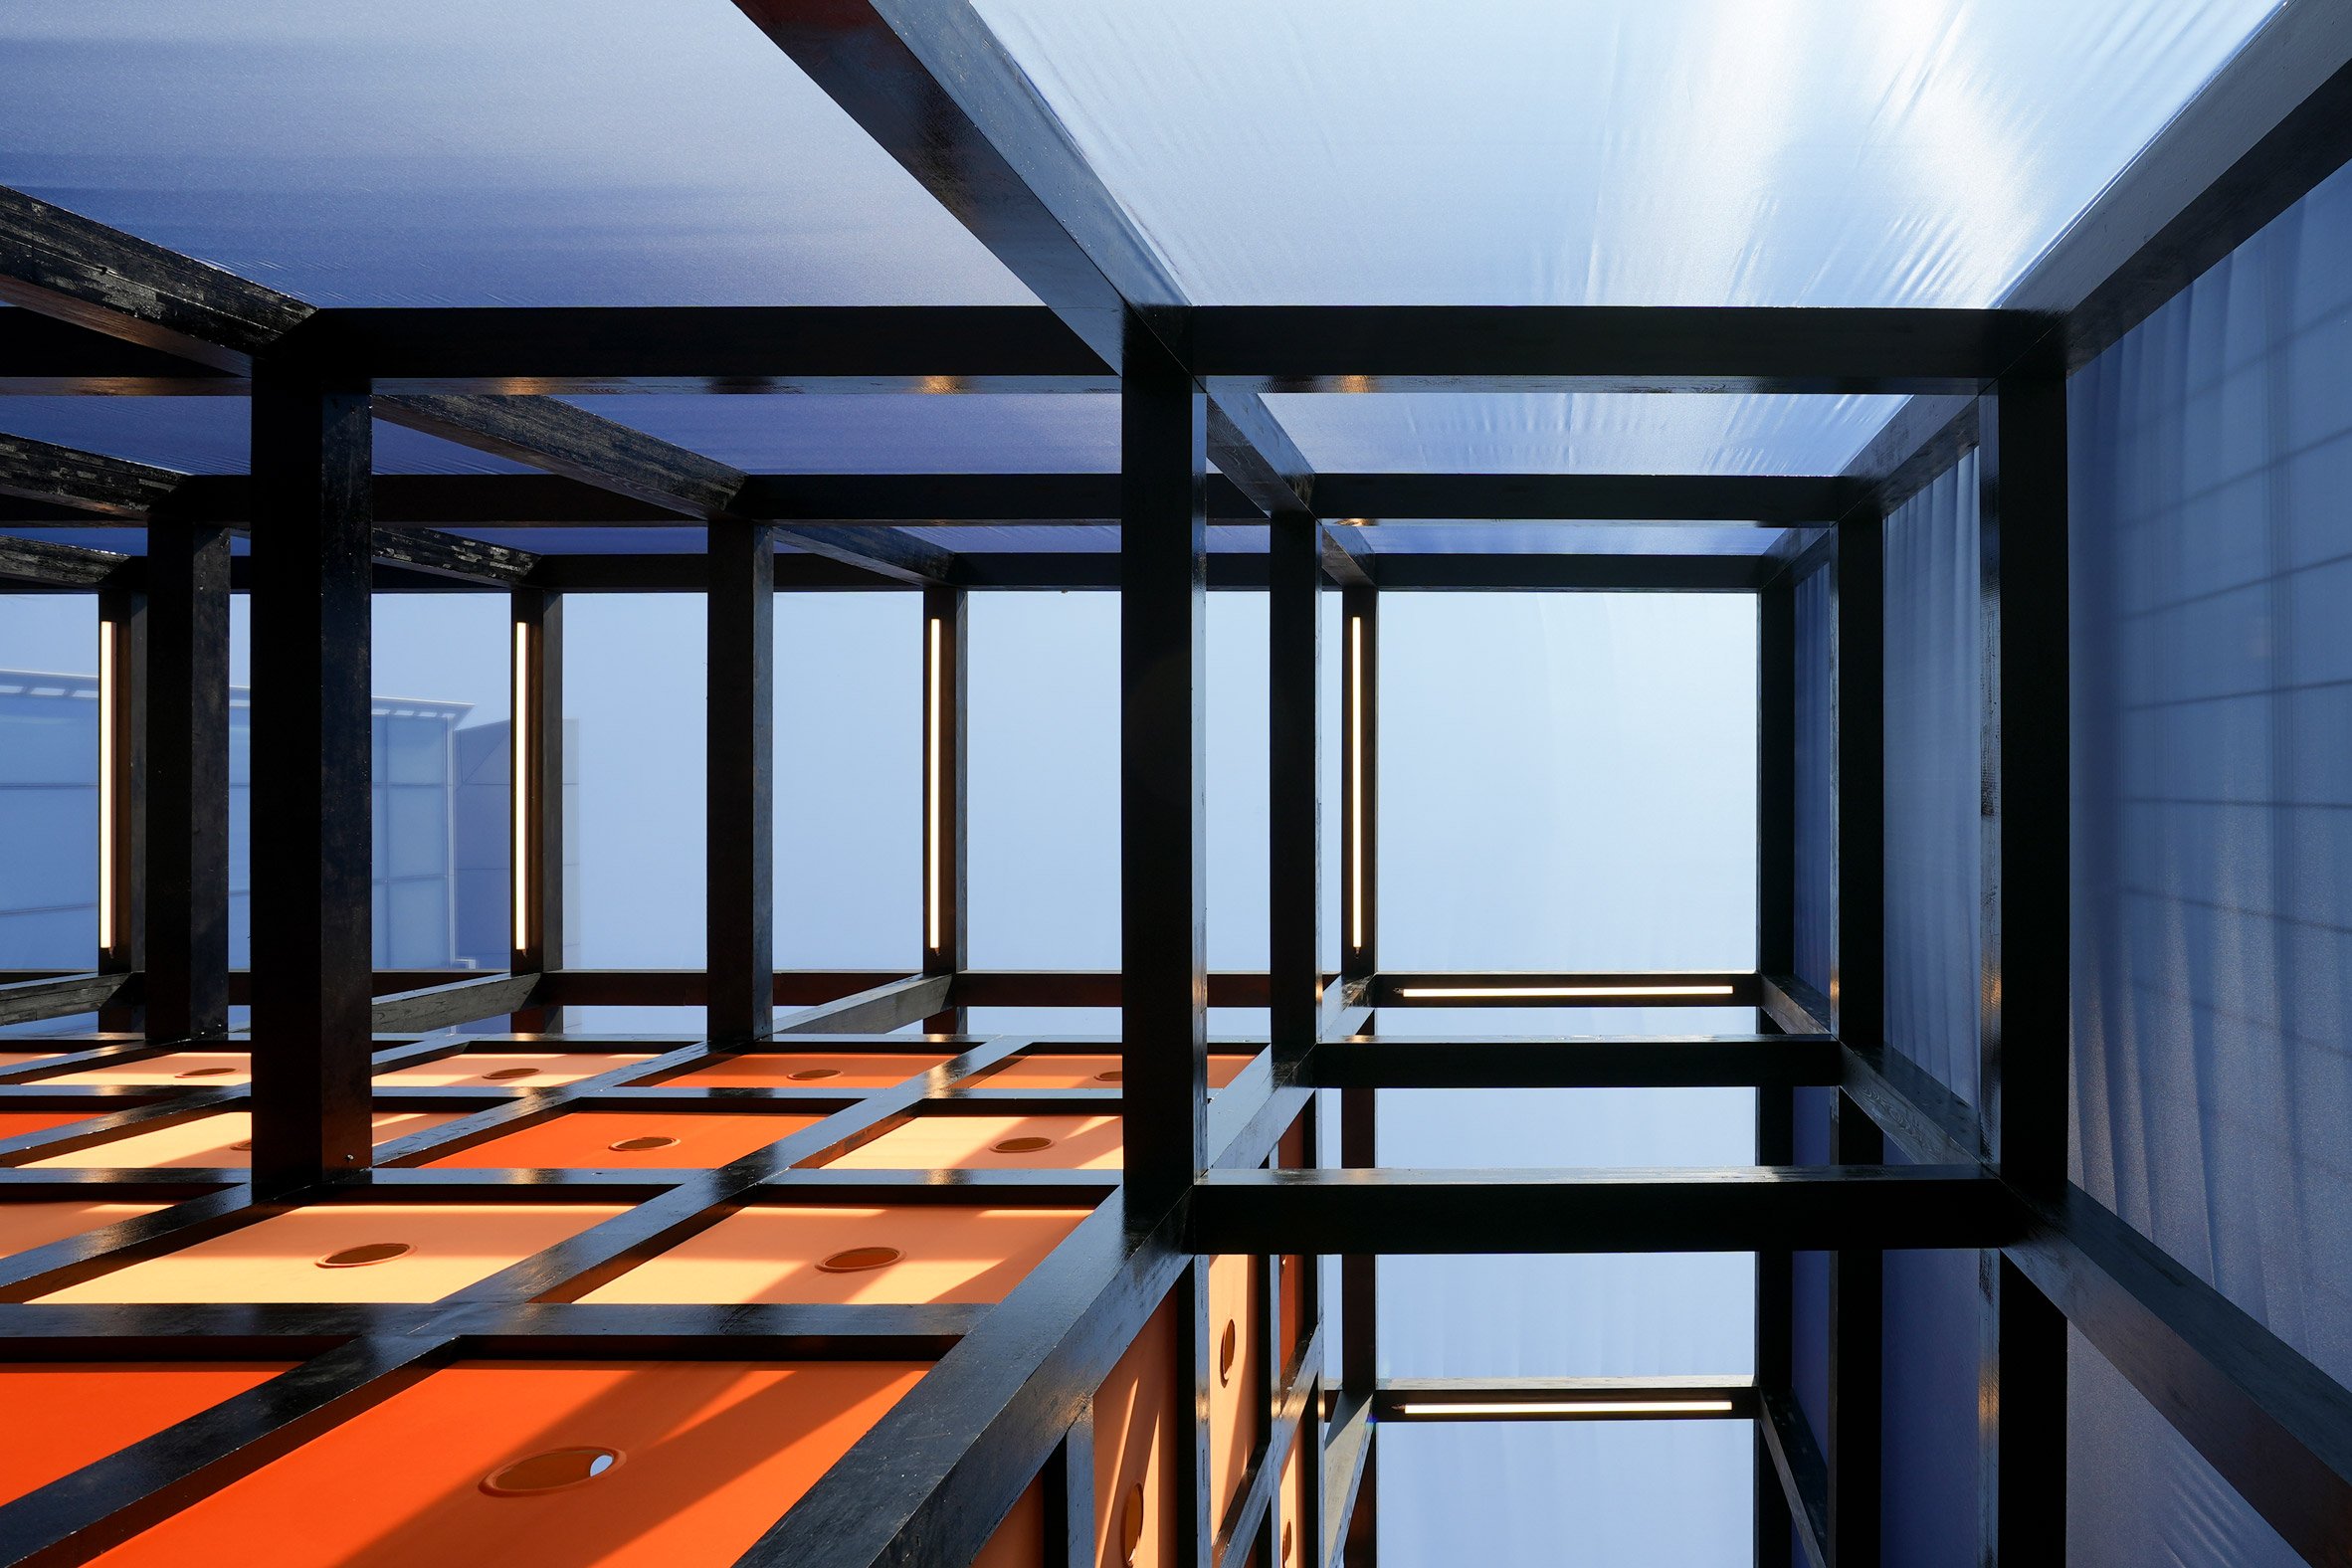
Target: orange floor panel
<point>1235,1346</point>
<point>952,1142</point>
<point>1091,1071</point>
<point>904,1252</point>
<point>16,1123</point>
<point>550,1464</point>
<point>10,1060</point>
<point>629,1141</point>
<point>1290,1515</point>
<point>84,1412</point>
<point>177,1068</point>
<point>506,1069</point>
<point>808,1069</point>
<point>223,1140</point>
<point>345,1252</point>
<point>25,1226</point>
<point>1136,1451</point>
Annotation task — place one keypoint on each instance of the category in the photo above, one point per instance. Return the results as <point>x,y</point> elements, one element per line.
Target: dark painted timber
<point>42,357</point>
<point>42,564</point>
<point>878,1010</point>
<point>186,799</point>
<point>60,996</point>
<point>1856,1380</point>
<point>1294,814</point>
<point>946,763</point>
<point>446,1006</point>
<point>1801,1472</point>
<point>538,927</point>
<point>41,470</point>
<point>739,745</point>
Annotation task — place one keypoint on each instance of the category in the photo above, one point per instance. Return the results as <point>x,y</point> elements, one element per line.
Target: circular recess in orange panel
<point>508,1074</point>
<point>1028,1145</point>
<point>858,1258</point>
<point>243,1146</point>
<point>1286,1542</point>
<point>1226,1348</point>
<point>205,1073</point>
<point>1109,1075</point>
<point>557,1469</point>
<point>806,1074</point>
<point>638,1146</point>
<point>1131,1523</point>
<point>366,1253</point>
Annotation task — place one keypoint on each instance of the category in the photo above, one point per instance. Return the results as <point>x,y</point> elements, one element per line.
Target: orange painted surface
<point>1290,1516</point>
<point>1020,1541</point>
<point>1291,1154</point>
<point>10,1060</point>
<point>194,1069</point>
<point>1088,1143</point>
<point>83,1413</point>
<point>1086,1072</point>
<point>584,1140</point>
<point>16,1123</point>
<point>277,1260</point>
<point>25,1226</point>
<point>1233,1380</point>
<point>711,1455</point>
<point>948,1253</point>
<point>507,1068</point>
<point>808,1069</point>
<point>209,1141</point>
<point>1135,1449</point>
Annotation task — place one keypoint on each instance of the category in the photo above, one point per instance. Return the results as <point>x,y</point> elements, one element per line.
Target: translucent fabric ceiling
<point>1697,152</point>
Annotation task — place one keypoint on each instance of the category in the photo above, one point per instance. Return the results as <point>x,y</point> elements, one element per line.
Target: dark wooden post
<point>1295,892</point>
<point>187,804</point>
<point>536,772</point>
<point>1776,859</point>
<point>741,844</point>
<point>122,762</point>
<point>946,636</point>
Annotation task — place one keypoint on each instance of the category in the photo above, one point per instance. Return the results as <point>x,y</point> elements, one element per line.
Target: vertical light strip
<point>931,683</point>
<point>1355,850</point>
<point>519,774</point>
<point>107,785</point>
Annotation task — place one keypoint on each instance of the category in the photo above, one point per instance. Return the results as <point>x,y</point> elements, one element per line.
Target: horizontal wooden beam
<point>878,1010</point>
<point>1744,1209</point>
<point>1647,1062</point>
<point>465,1001</point>
<point>40,563</point>
<point>1804,1473</point>
<point>59,996</point>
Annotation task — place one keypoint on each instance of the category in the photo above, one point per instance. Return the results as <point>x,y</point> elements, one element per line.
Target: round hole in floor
<point>1131,1523</point>
<point>508,1074</point>
<point>857,1260</point>
<point>1109,1075</point>
<point>554,1470</point>
<point>642,1142</point>
<point>1228,1346</point>
<point>811,1074</point>
<point>1286,1542</point>
<point>1028,1145</point>
<point>243,1146</point>
<point>205,1073</point>
<point>366,1253</point>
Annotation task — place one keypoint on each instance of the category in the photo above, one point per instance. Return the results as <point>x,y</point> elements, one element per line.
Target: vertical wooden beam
<point>739,786</point>
<point>122,764</point>
<point>536,773</point>
<point>2025,1002</point>
<point>1069,1483</point>
<point>1295,816</point>
<point>1776,908</point>
<point>187,804</point>
<point>1856,1300</point>
<point>1163,608</point>
<point>1359,959</point>
<point>313,805</point>
<point>946,640</point>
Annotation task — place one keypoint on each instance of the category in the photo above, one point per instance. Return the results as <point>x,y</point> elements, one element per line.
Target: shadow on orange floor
<point>958,1142</point>
<point>191,1067</point>
<point>16,1123</point>
<point>507,1069</point>
<point>223,1140</point>
<point>628,1140</point>
<point>83,1413</point>
<point>554,1465</point>
<point>806,1070</point>
<point>344,1252</point>
<point>899,1254</point>
<point>25,1226</point>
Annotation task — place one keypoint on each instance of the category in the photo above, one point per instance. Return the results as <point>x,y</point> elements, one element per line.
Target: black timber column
<point>945,639</point>
<point>311,791</point>
<point>536,773</point>
<point>1163,877</point>
<point>122,761</point>
<point>1776,860</point>
<point>1294,960</point>
<point>1857,652</point>
<point>741,844</point>
<point>2024,1005</point>
<point>1359,948</point>
<point>187,787</point>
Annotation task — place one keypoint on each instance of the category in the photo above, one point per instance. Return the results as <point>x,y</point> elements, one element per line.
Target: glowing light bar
<point>107,785</point>
<point>1456,993</point>
<point>932,792</point>
<point>1356,669</point>
<point>519,780</point>
<point>1572,1407</point>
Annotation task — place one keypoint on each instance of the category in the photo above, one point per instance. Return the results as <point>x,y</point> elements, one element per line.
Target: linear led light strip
<point>1574,1407</point>
<point>932,795</point>
<point>106,784</point>
<point>1421,993</point>
<point>1355,668</point>
<point>521,772</point>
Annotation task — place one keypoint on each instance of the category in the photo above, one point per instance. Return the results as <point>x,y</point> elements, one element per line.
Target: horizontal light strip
<point>1531,992</point>
<point>1577,1407</point>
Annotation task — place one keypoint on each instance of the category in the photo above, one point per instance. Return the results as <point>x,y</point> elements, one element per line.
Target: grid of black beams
<point>927,86</point>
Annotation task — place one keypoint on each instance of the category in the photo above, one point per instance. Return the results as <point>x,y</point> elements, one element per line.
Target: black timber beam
<point>1803,1473</point>
<point>739,751</point>
<point>83,481</point>
<point>1395,1211</point>
<point>1294,812</point>
<point>59,996</point>
<point>1606,348</point>
<point>185,801</point>
<point>427,1008</point>
<point>41,563</point>
<point>42,357</point>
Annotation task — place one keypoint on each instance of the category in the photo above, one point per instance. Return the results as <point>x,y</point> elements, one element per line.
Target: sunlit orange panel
<point>993,1143</point>
<point>10,1060</point>
<point>1290,1515</point>
<point>317,1254</point>
<point>1134,1452</point>
<point>25,1226</point>
<point>455,1469</point>
<point>224,1139</point>
<point>1235,1345</point>
<point>808,1069</point>
<point>83,1413</point>
<point>1020,1541</point>
<point>1094,1072</point>
<point>173,1067</point>
<point>16,1123</point>
<point>923,1251</point>
<point>628,1140</point>
<point>507,1069</point>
